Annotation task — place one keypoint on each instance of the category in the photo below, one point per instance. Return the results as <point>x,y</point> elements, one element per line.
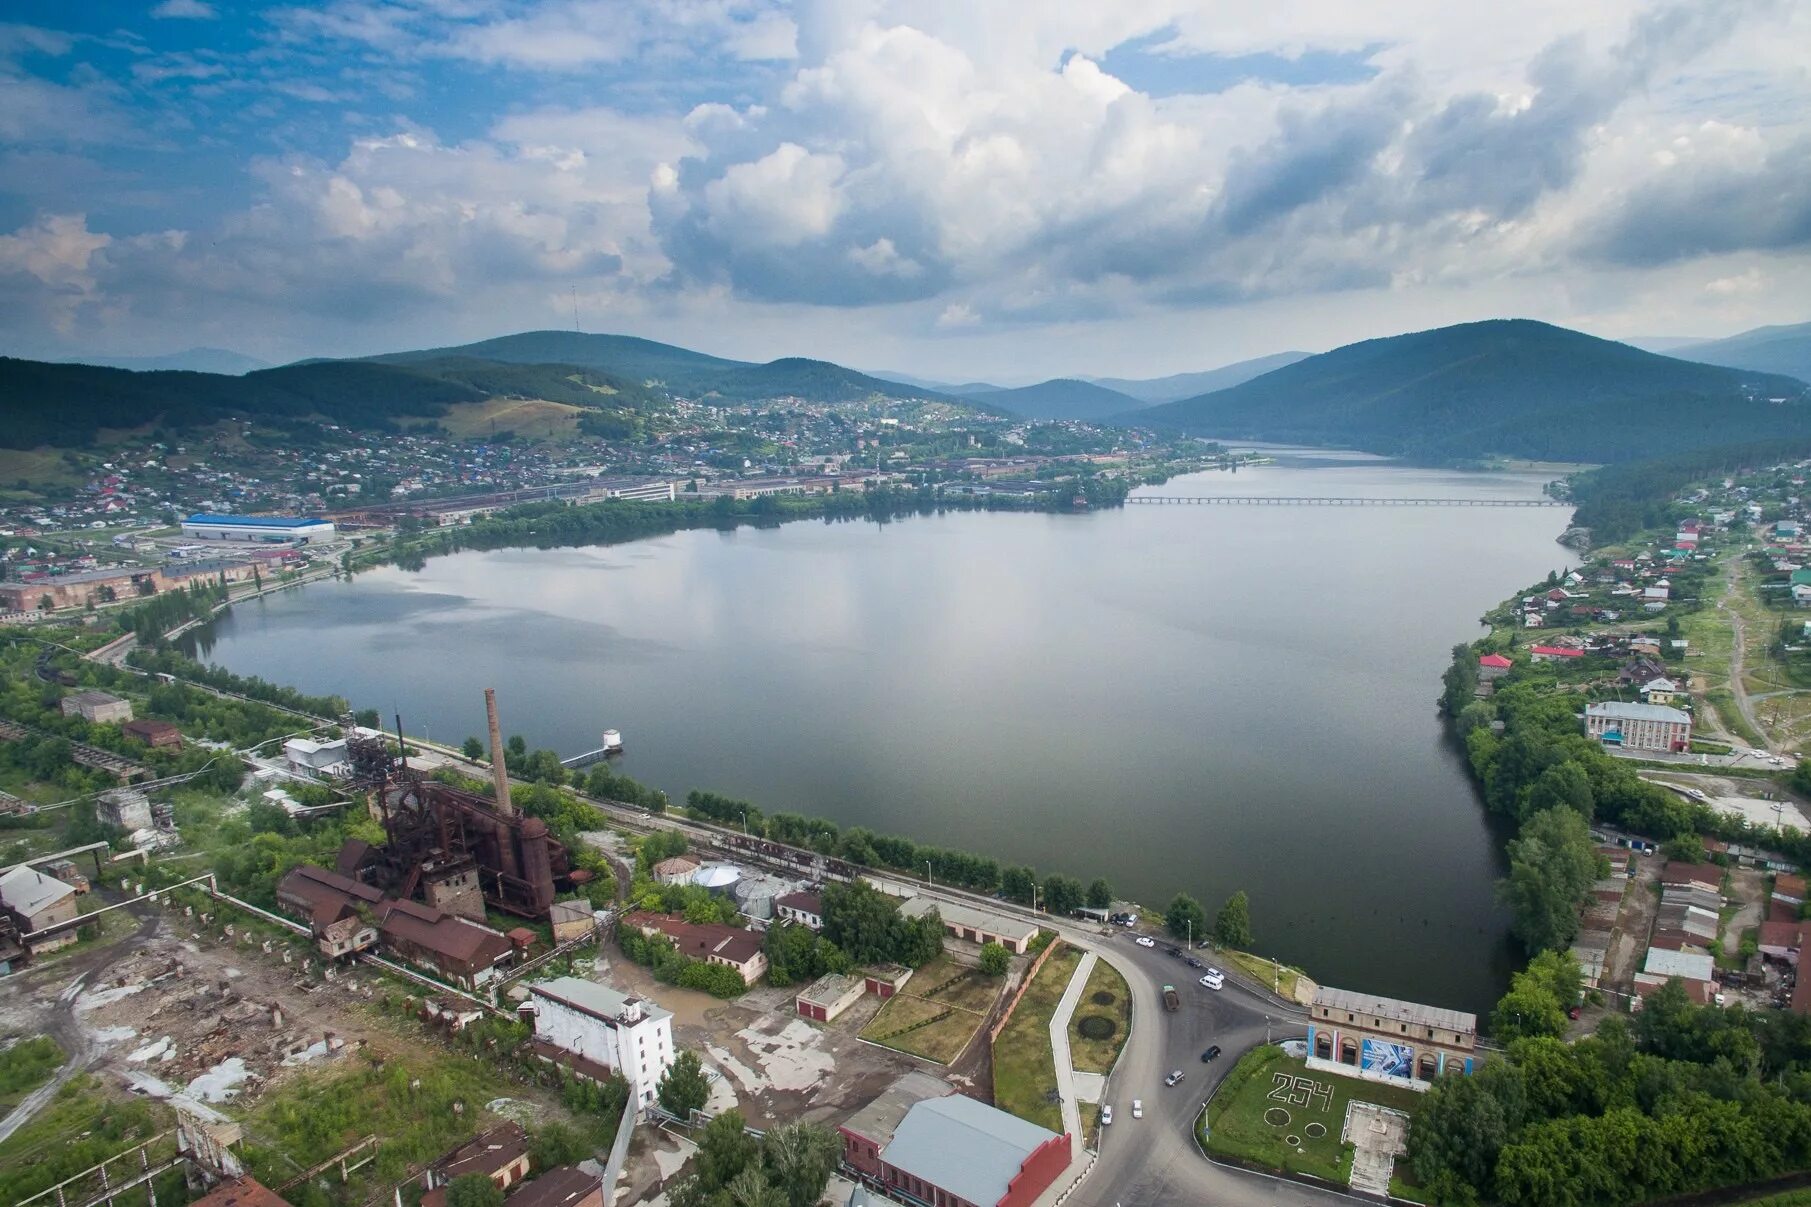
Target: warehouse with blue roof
<point>257,529</point>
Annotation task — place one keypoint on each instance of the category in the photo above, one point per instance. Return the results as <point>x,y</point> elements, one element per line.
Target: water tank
<point>613,740</point>
<point>717,877</point>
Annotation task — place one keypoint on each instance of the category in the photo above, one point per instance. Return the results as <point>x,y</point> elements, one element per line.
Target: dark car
<point>1212,1053</point>
<point>1175,951</point>
<point>1194,963</point>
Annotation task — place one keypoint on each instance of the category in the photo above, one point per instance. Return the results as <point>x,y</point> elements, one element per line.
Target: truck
<point>1171,1002</point>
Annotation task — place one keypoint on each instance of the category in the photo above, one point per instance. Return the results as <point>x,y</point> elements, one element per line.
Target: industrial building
<point>924,1141</point>
<point>34,901</point>
<point>975,925</point>
<point>711,942</point>
<point>828,996</point>
<point>266,529</point>
<point>499,1154</point>
<point>317,760</point>
<point>154,733</point>
<point>804,908</point>
<point>1385,1039</point>
<point>595,1030</point>
<point>1639,726</point>
<point>97,708</point>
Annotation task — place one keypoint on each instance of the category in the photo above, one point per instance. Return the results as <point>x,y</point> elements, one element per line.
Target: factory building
<point>1383,1039</point>
<point>266,529</point>
<point>595,1030</point>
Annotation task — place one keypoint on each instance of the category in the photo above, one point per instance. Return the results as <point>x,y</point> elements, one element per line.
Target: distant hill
<point>624,356</point>
<point>1765,349</point>
<point>1187,385</point>
<point>196,360</point>
<point>69,404</point>
<point>1060,398</point>
<point>1509,387</point>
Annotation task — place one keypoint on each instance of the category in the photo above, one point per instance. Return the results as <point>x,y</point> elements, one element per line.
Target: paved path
<point>1059,1048</point>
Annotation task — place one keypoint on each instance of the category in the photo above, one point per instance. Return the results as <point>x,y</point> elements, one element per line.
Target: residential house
<point>713,942</point>
<point>1493,666</point>
<point>1659,691</point>
<point>1553,653</point>
<point>804,908</point>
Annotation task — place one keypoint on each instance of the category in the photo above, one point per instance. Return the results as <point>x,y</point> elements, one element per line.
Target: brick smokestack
<point>499,773</point>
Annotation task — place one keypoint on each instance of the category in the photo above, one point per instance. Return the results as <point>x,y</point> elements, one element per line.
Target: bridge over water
<point>1332,501</point>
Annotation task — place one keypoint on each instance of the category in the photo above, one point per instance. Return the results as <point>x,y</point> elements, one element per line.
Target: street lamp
<point>928,878</point>
<point>745,823</point>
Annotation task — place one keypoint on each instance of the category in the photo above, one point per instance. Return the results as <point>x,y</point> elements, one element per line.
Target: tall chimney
<point>499,773</point>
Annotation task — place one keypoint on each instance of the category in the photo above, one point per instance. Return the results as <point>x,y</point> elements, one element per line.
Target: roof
<point>701,939</point>
<point>1399,1011</point>
<point>716,875</point>
<point>968,1149</point>
<point>1781,934</point>
<point>257,521</point>
<point>92,697</point>
<point>442,934</point>
<point>1558,651</point>
<point>1792,886</point>
<point>150,725</point>
<point>30,892</point>
<point>1495,660</point>
<point>955,914</point>
<point>831,988</point>
<point>589,997</point>
<point>879,1118</point>
<point>1660,685</point>
<point>1616,710</point>
<point>241,1192</point>
<point>556,1188</point>
<point>1689,966</point>
<point>318,884</point>
<point>676,865</point>
<point>486,1153</point>
<point>805,903</point>
<point>1692,873</point>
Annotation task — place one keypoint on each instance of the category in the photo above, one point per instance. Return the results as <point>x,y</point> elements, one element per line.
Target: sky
<point>958,189</point>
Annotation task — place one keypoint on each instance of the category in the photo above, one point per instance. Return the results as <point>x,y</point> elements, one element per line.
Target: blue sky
<point>958,188</point>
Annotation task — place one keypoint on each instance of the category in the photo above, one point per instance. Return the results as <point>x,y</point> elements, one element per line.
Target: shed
<point>829,996</point>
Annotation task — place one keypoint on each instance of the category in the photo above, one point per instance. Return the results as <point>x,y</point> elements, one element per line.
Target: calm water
<point>1193,698</point>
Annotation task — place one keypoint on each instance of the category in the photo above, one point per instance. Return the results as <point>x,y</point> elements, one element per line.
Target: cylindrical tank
<point>613,740</point>
<point>537,865</point>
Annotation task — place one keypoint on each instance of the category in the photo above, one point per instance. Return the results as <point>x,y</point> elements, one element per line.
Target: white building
<point>317,760</point>
<point>1639,726</point>
<point>596,1025</point>
<point>268,529</point>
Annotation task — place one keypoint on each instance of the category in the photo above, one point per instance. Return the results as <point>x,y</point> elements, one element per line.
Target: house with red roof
<point>1493,666</point>
<point>1553,653</point>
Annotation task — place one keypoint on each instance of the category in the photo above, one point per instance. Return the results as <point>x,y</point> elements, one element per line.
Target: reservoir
<point>1182,698</point>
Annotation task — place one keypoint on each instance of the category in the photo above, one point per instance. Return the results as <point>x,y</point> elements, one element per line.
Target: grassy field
<point>941,1038</point>
<point>1264,972</point>
<point>1106,996</point>
<point>1024,1069</point>
<point>531,419</point>
<point>36,467</point>
<point>967,988</point>
<point>1237,1127</point>
<point>25,1064</point>
<point>1791,1198</point>
<point>86,1122</point>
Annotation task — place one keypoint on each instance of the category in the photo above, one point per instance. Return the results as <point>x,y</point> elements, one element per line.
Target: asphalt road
<point>1154,1160</point>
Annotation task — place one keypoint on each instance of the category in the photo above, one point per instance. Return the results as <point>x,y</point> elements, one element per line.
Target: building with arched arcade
<point>1383,1039</point>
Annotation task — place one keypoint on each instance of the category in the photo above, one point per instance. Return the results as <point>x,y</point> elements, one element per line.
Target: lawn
<point>1264,972</point>
<point>1024,1069</point>
<point>939,1036</point>
<point>531,419</point>
<point>1237,1125</point>
<point>1105,997</point>
<point>968,988</point>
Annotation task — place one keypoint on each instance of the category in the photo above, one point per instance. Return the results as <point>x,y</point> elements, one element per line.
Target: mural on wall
<point>1392,1060</point>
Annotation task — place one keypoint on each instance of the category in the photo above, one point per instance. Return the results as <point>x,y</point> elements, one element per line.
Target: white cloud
<point>57,253</point>
<point>185,10</point>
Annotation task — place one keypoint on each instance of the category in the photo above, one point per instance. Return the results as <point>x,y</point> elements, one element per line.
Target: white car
<point>1106,1116</point>
<point>1137,1108</point>
<point>1146,941</point>
<point>1213,981</point>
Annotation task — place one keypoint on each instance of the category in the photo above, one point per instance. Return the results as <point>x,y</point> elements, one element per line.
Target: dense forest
<point>1617,501</point>
<point>1507,388</point>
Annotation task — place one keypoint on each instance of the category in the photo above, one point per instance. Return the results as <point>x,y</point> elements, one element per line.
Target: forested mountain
<point>1765,349</point>
<point>1509,387</point>
<point>1059,398</point>
<point>69,404</point>
<point>1156,390</point>
<point>624,356</point>
<point>812,380</point>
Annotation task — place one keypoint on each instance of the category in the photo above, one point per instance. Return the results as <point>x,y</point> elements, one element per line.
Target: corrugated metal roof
<point>1396,1010</point>
<point>967,1148</point>
<point>877,1120</point>
<point>954,914</point>
<point>30,891</point>
<point>1683,964</point>
<point>255,521</point>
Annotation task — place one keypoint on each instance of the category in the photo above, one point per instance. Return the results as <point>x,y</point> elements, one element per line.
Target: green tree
<point>683,1089</point>
<point>1460,681</point>
<point>1551,869</point>
<point>1185,917</point>
<point>1232,925</point>
<point>1563,785</point>
<point>1019,884</point>
<point>1063,895</point>
<point>800,1158</point>
<point>1538,997</point>
<point>994,959</point>
<point>1100,894</point>
<point>1462,1125</point>
<point>473,749</point>
<point>473,1190</point>
<point>557,1144</point>
<point>517,747</point>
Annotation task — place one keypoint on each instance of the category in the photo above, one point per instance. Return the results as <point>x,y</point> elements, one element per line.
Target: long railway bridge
<point>1333,501</point>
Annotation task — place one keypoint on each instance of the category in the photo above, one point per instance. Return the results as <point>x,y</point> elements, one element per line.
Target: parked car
<point>1194,963</point>
<point>1211,981</point>
<point>1146,941</point>
<point>1106,1116</point>
<point>1574,1012</point>
<point>1174,951</point>
<point>1137,1108</point>
<point>1213,1053</point>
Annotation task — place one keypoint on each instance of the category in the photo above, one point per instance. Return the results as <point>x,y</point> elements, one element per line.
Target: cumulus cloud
<point>185,10</point>
<point>1705,206</point>
<point>51,265</point>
